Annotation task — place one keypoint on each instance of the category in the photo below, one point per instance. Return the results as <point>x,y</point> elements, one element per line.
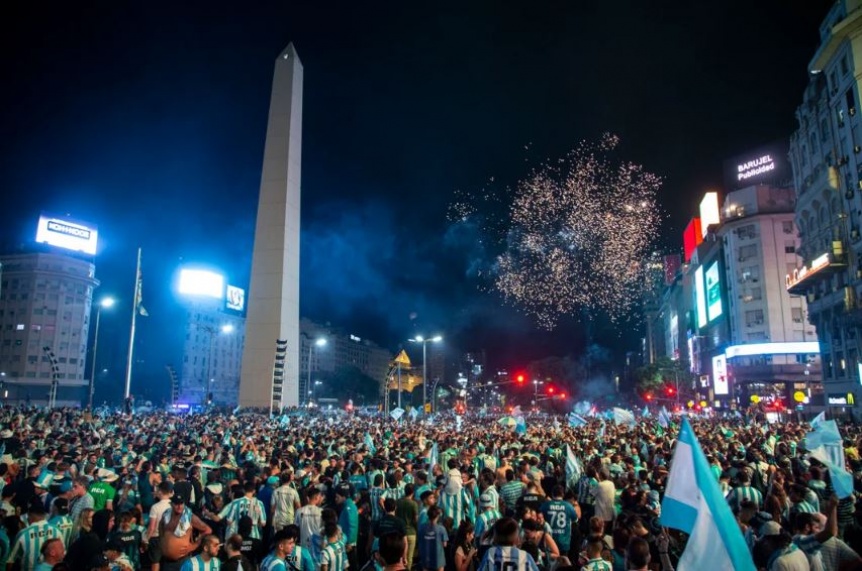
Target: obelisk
<point>273,299</point>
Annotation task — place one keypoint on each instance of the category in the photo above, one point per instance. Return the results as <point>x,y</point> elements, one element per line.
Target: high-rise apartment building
<point>45,308</point>
<point>826,156</point>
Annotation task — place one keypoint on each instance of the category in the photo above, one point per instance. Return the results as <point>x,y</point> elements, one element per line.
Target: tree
<point>663,372</point>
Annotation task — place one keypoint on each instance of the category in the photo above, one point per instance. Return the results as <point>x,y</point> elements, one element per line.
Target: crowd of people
<point>312,493</point>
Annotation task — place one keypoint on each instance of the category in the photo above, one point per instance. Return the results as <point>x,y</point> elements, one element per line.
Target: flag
<point>826,445</point>
<point>397,413</point>
<point>623,416</point>
<point>432,459</point>
<point>818,419</point>
<point>556,423</point>
<point>601,432</point>
<point>521,426</point>
<point>693,503</point>
<point>139,292</point>
<point>285,421</point>
<point>414,412</point>
<point>576,420</point>
<point>645,412</point>
<point>663,418</point>
<point>516,412</point>
<point>583,407</point>
<point>459,420</point>
<point>369,444</point>
<point>573,468</point>
<point>236,410</point>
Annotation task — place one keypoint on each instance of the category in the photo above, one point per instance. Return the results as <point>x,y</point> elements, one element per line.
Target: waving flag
<point>414,413</point>
<point>663,418</point>
<point>826,445</point>
<point>623,416</point>
<point>432,459</point>
<point>521,425</point>
<point>693,503</point>
<point>369,444</point>
<point>573,468</point>
<point>818,419</point>
<point>645,412</point>
<point>397,413</point>
<point>576,420</point>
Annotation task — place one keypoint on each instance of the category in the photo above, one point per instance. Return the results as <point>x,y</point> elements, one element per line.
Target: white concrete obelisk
<point>273,300</point>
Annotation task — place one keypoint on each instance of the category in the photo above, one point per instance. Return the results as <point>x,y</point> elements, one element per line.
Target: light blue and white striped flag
<point>576,420</point>
<point>397,414</point>
<point>573,468</point>
<point>826,445</point>
<point>663,418</point>
<point>623,416</point>
<point>432,459</point>
<point>645,413</point>
<point>369,444</point>
<point>521,426</point>
<point>818,419</point>
<point>693,503</point>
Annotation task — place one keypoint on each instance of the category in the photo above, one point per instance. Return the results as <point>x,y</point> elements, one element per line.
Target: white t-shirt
<point>605,494</point>
<point>157,512</point>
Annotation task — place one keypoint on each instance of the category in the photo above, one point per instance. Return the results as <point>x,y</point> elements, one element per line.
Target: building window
<point>754,317</point>
<point>756,293</point>
<point>790,247</point>
<point>746,252</point>
<point>845,69</point>
<point>796,314</point>
<point>787,227</point>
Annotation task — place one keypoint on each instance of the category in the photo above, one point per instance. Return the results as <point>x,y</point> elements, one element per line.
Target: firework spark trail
<point>577,233</point>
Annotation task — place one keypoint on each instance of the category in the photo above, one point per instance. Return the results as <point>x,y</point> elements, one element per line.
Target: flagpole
<point>135,305</point>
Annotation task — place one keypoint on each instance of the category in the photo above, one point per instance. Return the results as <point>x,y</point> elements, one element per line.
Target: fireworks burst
<point>577,234</point>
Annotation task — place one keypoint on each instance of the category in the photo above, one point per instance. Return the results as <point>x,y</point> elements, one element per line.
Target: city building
<point>826,158</point>
<point>215,329</point>
<point>212,354</point>
<point>726,315</point>
<point>273,306</point>
<point>324,348</point>
<point>45,307</point>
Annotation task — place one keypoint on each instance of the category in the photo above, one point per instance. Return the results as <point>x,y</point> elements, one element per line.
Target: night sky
<point>149,121</point>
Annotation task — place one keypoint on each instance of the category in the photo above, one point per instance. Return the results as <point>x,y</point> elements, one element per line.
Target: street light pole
<point>424,341</point>
<point>319,343</point>
<point>106,302</point>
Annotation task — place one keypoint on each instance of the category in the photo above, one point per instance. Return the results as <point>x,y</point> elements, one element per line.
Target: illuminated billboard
<point>202,282</point>
<point>719,375</point>
<point>766,164</point>
<point>709,214</point>
<point>67,234</point>
<point>235,298</point>
<point>691,238</point>
<point>700,296</point>
<point>713,292</point>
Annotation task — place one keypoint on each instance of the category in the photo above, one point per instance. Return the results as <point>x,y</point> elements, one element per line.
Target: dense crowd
<point>311,493</point>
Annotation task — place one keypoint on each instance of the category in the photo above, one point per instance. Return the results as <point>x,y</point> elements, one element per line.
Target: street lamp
<point>107,303</point>
<point>318,343</point>
<point>226,329</point>
<point>313,390</point>
<point>424,341</point>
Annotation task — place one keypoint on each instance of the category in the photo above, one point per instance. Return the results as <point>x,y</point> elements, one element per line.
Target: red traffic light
<point>670,391</point>
<point>648,397</point>
<point>520,379</point>
<point>551,390</point>
<point>562,395</point>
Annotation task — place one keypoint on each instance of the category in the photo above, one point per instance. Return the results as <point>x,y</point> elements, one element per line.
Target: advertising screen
<point>713,292</point>
<point>67,234</point>
<point>719,375</point>
<point>709,214</point>
<point>700,297</point>
<point>202,282</point>
<point>235,299</point>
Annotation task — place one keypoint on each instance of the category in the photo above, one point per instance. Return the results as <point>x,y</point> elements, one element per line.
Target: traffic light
<point>551,389</point>
<point>648,397</point>
<point>519,379</point>
<point>669,391</point>
<point>562,395</point>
